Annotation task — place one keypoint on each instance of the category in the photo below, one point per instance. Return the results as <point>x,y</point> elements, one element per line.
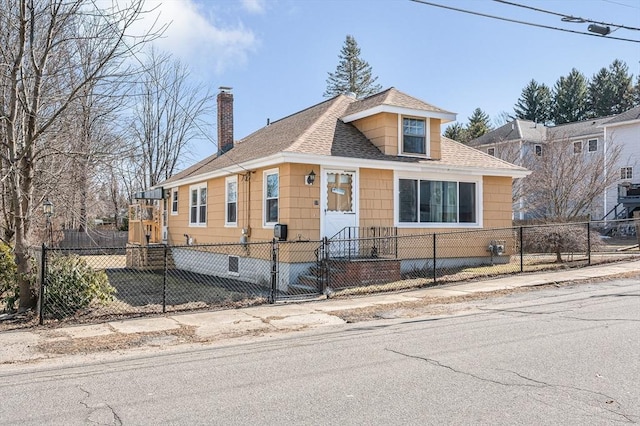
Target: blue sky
<point>276,53</point>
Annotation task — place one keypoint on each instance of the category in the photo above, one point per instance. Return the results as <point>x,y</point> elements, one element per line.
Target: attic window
<point>538,150</point>
<point>593,145</point>
<point>414,136</point>
<point>491,151</point>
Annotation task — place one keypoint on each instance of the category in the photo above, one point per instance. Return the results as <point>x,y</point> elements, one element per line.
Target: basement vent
<point>234,265</point>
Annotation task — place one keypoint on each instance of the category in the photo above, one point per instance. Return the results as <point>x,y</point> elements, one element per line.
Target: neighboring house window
<point>174,201</point>
<point>271,194</point>
<point>577,147</point>
<point>231,215</point>
<point>538,150</point>
<point>626,173</point>
<point>491,151</point>
<point>427,201</point>
<point>198,205</point>
<point>593,145</point>
<point>414,136</point>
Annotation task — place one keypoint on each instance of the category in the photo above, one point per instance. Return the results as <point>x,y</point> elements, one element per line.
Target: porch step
<point>310,281</point>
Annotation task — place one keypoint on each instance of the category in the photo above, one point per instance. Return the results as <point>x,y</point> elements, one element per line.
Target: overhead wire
<point>485,15</point>
<point>566,18</point>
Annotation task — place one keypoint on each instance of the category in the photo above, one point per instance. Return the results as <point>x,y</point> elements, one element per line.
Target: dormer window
<point>414,136</point>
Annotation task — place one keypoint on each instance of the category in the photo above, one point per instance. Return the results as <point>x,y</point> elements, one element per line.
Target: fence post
<point>521,249</point>
<point>327,273</point>
<point>43,265</point>
<point>164,282</point>
<point>274,271</point>
<point>588,243</point>
<point>435,275</point>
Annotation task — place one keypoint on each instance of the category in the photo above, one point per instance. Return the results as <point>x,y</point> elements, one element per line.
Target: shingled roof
<point>319,130</point>
<point>392,97</point>
<point>632,115</point>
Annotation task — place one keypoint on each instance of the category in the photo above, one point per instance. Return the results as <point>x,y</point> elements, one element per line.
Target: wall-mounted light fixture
<point>310,178</point>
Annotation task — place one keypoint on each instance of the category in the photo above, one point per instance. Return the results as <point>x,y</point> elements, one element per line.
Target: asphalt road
<point>568,355</point>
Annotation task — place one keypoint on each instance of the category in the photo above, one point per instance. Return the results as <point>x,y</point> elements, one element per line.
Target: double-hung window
<point>592,145</point>
<point>271,193</point>
<point>414,136</point>
<point>198,205</point>
<point>231,212</point>
<point>174,201</point>
<point>431,201</point>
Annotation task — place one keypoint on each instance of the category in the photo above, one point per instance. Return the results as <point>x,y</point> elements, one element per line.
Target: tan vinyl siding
<point>296,208</point>
<point>382,130</point>
<point>376,197</point>
<point>435,150</point>
<point>497,196</point>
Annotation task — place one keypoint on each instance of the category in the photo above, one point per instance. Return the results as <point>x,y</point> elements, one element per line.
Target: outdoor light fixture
<point>310,178</point>
<point>47,208</point>
<point>599,29</point>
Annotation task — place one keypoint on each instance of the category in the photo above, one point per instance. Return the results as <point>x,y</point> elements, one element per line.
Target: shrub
<point>9,290</point>
<point>73,285</point>
<point>559,239</point>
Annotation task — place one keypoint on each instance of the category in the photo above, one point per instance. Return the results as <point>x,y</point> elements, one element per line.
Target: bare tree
<point>170,113</point>
<point>567,182</point>
<point>43,47</point>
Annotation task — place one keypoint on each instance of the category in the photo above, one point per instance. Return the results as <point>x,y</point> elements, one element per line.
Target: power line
<point>621,4</point>
<point>520,22</point>
<point>566,18</point>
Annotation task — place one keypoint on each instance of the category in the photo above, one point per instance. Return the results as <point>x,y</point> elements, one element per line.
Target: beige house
<point>344,163</point>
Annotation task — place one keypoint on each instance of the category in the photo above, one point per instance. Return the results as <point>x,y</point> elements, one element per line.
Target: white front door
<point>340,203</point>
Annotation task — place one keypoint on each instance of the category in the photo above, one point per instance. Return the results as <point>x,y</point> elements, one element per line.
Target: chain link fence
<point>93,284</point>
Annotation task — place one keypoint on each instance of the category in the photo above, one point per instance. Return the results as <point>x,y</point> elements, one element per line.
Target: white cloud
<point>254,6</point>
<point>197,39</point>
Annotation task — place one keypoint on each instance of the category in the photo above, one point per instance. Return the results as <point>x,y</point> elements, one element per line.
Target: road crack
<point>531,383</point>
<point>96,408</point>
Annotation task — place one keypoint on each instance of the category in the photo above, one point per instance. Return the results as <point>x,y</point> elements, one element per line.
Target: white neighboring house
<point>624,131</point>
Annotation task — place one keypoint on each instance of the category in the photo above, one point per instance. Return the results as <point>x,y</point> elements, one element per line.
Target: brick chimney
<point>225,120</point>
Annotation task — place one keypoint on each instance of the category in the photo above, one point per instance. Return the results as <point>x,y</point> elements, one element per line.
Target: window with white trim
<point>592,145</point>
<point>174,201</point>
<point>414,136</point>
<point>491,151</point>
<point>429,201</point>
<point>198,205</point>
<point>538,150</point>
<point>626,173</point>
<point>231,197</point>
<point>271,193</point>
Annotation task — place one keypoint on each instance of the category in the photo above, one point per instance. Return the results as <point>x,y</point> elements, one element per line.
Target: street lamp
<point>47,209</point>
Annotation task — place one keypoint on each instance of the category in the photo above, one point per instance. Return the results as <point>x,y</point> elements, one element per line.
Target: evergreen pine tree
<point>570,98</point>
<point>622,84</point>
<point>600,97</point>
<point>534,103</point>
<point>479,124</point>
<point>636,92</point>
<point>352,75</point>
<point>457,132</point>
